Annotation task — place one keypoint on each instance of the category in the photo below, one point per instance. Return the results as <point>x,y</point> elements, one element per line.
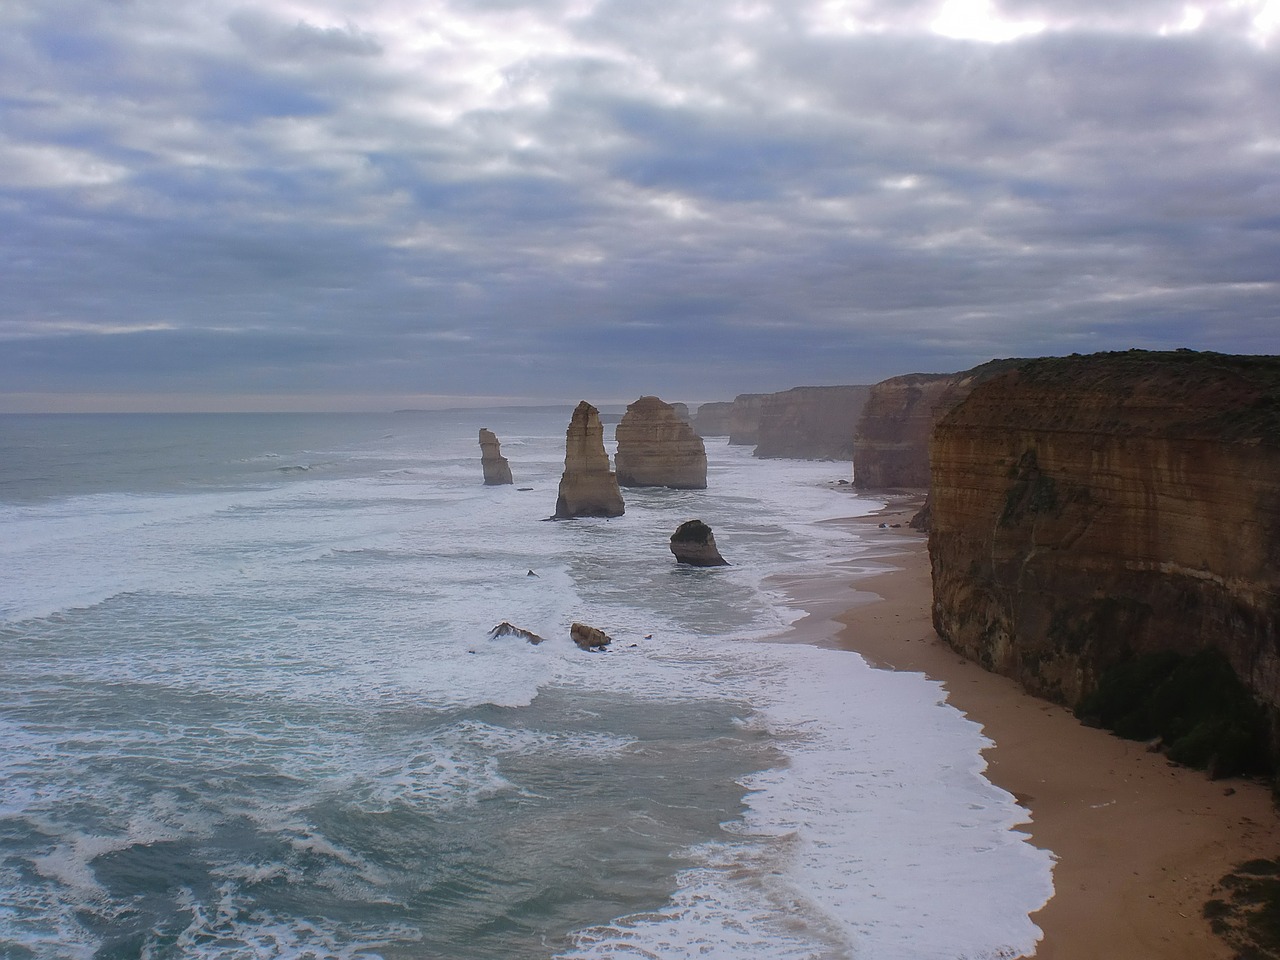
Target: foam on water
<point>263,718</point>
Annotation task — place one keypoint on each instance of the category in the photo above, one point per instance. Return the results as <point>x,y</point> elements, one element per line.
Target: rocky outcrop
<point>658,449</point>
<point>496,469</point>
<point>1091,511</point>
<point>589,638</point>
<point>891,441</point>
<point>712,419</point>
<point>505,629</point>
<point>744,419</point>
<point>810,423</point>
<point>693,543</point>
<point>588,488</point>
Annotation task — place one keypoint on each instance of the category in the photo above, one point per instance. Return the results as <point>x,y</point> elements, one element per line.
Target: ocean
<point>249,709</point>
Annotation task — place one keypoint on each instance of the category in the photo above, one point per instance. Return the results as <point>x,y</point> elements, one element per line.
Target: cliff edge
<point>1092,512</point>
<point>810,423</point>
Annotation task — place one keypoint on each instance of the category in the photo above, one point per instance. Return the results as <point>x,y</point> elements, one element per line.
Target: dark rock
<point>693,543</point>
<point>505,629</point>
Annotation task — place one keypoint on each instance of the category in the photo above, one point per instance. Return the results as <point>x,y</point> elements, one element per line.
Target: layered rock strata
<point>656,448</point>
<point>496,469</point>
<point>1089,511</point>
<point>588,488</point>
<point>810,423</point>
<point>891,441</point>
<point>694,543</point>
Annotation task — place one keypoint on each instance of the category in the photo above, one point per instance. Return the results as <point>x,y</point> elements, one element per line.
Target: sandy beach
<point>1139,843</point>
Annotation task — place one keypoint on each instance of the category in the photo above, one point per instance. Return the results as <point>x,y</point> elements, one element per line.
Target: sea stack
<point>496,469</point>
<point>657,448</point>
<point>693,543</point>
<point>588,488</point>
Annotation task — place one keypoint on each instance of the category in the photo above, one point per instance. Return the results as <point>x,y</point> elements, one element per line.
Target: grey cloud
<point>265,34</point>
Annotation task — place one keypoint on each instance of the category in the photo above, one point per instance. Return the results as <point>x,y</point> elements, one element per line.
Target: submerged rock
<point>694,544</point>
<point>589,638</point>
<point>588,488</point>
<point>657,448</point>
<point>496,469</point>
<point>505,629</point>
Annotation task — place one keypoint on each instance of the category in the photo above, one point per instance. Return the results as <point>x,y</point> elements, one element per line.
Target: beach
<point>1139,842</point>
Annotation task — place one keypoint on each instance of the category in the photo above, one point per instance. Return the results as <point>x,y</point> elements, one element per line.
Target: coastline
<point>1139,843</point>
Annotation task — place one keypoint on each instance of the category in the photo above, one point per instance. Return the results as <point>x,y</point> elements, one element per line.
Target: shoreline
<point>1138,842</point>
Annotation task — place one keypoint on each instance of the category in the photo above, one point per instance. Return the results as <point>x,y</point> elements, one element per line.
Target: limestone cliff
<point>810,423</point>
<point>588,488</point>
<point>656,448</point>
<point>891,442</point>
<point>744,419</point>
<point>496,469</point>
<point>712,419</point>
<point>1089,511</point>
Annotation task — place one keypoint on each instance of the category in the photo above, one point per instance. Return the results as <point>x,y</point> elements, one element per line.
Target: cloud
<point>319,194</point>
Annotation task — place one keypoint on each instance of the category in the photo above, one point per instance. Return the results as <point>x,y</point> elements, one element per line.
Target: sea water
<point>249,709</point>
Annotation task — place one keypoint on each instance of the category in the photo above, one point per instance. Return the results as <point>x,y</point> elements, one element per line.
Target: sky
<point>378,204</point>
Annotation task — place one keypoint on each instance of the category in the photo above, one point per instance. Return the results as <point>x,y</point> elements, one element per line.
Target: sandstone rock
<point>588,488</point>
<point>505,629</point>
<point>682,411</point>
<point>810,423</point>
<point>694,544</point>
<point>658,449</point>
<point>891,441</point>
<point>589,638</point>
<point>1090,510</point>
<point>496,469</point>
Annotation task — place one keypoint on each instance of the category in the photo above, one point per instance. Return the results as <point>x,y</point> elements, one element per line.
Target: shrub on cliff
<point>1196,705</point>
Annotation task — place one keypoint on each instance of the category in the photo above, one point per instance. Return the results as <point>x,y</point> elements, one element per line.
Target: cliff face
<point>891,443</point>
<point>810,423</point>
<point>744,419</point>
<point>496,469</point>
<point>656,448</point>
<point>588,488</point>
<point>1091,510</point>
<point>712,419</point>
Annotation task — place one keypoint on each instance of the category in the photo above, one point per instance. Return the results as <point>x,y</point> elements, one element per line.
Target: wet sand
<point>1139,842</point>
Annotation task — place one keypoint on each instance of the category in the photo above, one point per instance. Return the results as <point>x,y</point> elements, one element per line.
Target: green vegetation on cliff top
<point>1223,396</point>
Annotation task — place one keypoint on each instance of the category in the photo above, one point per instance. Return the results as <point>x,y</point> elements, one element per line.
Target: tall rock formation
<point>496,469</point>
<point>1089,511</point>
<point>588,488</point>
<point>656,448</point>
<point>810,423</point>
<point>891,442</point>
<point>744,419</point>
<point>712,419</point>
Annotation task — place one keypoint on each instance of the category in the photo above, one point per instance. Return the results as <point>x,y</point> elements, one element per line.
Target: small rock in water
<point>530,574</point>
<point>589,638</point>
<point>505,629</point>
<point>694,544</point>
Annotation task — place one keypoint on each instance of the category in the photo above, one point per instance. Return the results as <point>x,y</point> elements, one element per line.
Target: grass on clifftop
<point>1196,705</point>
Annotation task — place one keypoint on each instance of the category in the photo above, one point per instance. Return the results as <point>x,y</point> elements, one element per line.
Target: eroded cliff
<point>1091,511</point>
<point>810,423</point>
<point>891,441</point>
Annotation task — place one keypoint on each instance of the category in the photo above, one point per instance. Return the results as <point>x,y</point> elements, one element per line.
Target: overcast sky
<point>370,204</point>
